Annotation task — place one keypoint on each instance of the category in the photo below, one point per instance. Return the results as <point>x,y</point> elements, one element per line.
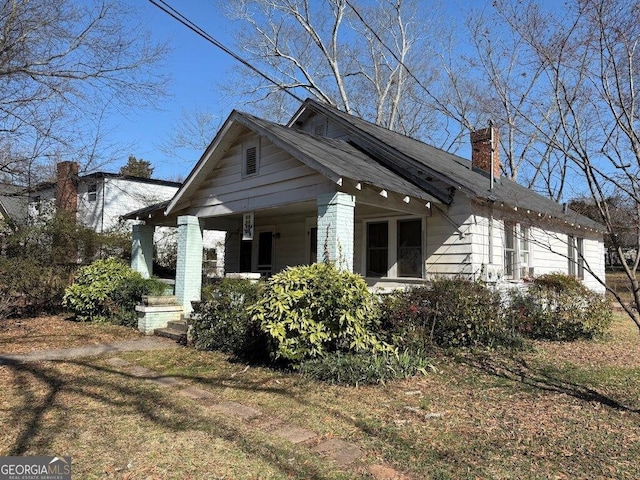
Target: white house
<point>398,211</point>
<point>101,199</point>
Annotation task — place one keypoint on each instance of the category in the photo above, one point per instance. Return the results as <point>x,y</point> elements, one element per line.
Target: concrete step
<point>177,335</point>
<point>179,325</point>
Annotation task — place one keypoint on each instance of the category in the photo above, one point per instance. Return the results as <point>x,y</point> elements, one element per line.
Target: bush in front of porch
<point>222,321</point>
<point>311,311</point>
<point>108,291</point>
<point>450,313</point>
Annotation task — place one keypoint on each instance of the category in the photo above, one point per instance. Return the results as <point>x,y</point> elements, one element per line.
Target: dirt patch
<point>45,333</point>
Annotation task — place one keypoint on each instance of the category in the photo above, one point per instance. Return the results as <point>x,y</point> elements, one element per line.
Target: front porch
<point>385,243</point>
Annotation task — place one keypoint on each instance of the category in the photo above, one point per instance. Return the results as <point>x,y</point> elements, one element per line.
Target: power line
<point>394,54</point>
<point>176,15</point>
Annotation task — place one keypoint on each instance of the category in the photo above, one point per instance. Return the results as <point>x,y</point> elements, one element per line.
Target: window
<point>580,252</point>
<point>509,249</point>
<point>524,251</point>
<point>313,245</point>
<point>92,191</point>
<point>517,250</point>
<point>250,159</point>
<point>575,256</point>
<point>245,255</point>
<point>377,249</point>
<point>410,248</point>
<point>394,248</point>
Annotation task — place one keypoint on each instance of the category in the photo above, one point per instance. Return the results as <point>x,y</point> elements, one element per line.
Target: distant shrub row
<point>327,324</point>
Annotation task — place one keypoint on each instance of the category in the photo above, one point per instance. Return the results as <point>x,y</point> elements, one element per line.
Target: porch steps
<point>175,330</point>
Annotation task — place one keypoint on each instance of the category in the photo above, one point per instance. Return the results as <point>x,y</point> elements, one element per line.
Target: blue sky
<point>193,66</point>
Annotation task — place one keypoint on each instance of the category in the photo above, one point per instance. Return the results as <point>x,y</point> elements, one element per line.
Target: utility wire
<point>394,54</point>
<point>176,15</point>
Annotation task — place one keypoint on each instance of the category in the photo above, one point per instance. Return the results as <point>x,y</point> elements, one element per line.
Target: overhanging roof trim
<point>191,181</point>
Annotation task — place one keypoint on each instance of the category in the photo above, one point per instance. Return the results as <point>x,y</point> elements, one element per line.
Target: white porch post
<point>335,229</point>
<point>189,266</point>
<point>142,249</point>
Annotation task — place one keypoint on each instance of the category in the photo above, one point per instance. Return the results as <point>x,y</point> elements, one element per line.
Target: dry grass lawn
<point>557,411</point>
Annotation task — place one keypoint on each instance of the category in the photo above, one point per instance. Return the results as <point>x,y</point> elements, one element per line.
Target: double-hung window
<point>394,248</point>
<point>377,249</point>
<point>517,251</point>
<point>509,249</point>
<point>575,256</point>
<point>92,191</point>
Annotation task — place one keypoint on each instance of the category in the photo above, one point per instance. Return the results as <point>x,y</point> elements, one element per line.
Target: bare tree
<point>191,134</point>
<point>364,59</point>
<point>589,56</point>
<point>63,64</point>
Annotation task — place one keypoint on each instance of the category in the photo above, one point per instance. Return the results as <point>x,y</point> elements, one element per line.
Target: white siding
<point>549,252</point>
<point>594,257</point>
<point>547,248</point>
<point>281,180</point>
<point>449,237</point>
<point>115,197</point>
<point>289,244</point>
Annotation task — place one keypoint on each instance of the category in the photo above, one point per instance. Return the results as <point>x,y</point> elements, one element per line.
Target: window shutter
<point>251,160</point>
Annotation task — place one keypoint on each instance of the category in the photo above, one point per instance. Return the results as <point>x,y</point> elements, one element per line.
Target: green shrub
<point>222,321</point>
<point>364,368</point>
<point>449,313</point>
<point>559,307</point>
<point>317,309</point>
<point>28,287</point>
<point>108,291</point>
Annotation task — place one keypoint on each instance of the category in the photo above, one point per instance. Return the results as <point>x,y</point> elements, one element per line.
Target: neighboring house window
<point>92,190</point>
<point>394,248</point>
<point>509,249</point>
<point>35,203</point>
<point>251,159</point>
<point>575,256</point>
<point>377,249</point>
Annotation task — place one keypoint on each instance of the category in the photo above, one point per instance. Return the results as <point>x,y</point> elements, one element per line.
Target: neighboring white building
<point>101,199</point>
<point>392,208</point>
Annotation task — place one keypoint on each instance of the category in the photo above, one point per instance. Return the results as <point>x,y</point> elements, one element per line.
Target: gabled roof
<point>377,156</point>
<point>334,159</point>
<point>92,177</point>
<point>425,160</point>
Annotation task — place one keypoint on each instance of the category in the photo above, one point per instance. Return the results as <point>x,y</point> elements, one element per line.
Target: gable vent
<point>251,161</point>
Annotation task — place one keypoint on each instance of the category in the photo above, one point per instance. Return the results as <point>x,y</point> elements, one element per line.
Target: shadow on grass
<point>39,415</point>
<point>520,371</point>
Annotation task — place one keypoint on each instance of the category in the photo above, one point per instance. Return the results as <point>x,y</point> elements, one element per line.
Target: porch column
<point>335,229</point>
<point>189,266</point>
<point>142,249</point>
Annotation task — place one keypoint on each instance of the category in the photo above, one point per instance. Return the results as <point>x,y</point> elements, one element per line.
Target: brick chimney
<point>484,144</point>
<point>67,186</point>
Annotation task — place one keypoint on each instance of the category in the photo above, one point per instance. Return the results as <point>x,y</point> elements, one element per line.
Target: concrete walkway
<point>142,344</point>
